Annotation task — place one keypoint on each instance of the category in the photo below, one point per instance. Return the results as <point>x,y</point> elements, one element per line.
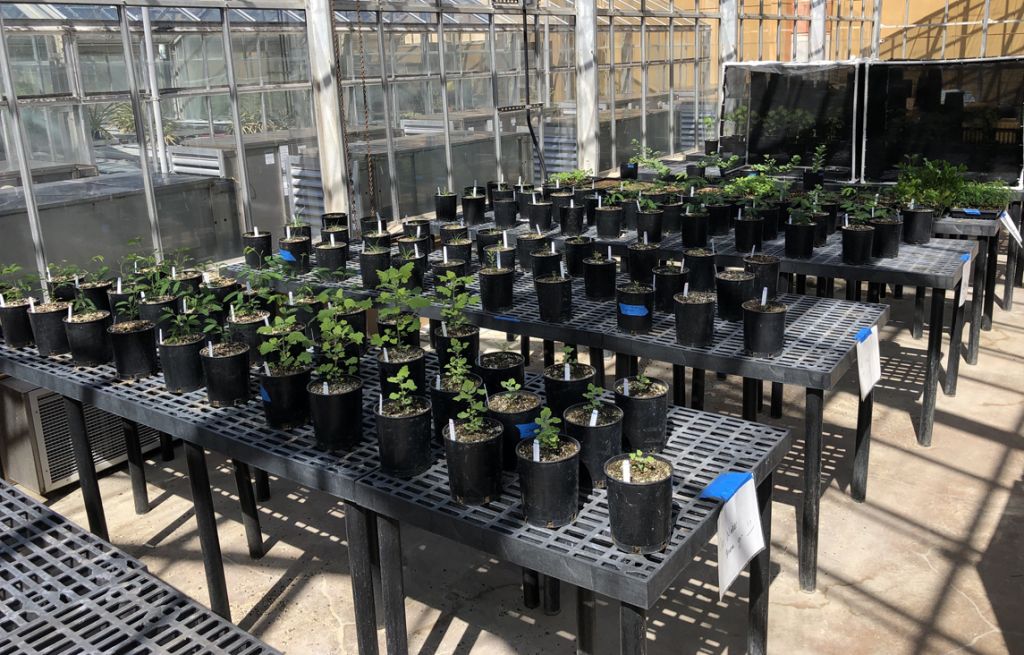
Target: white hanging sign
<point>869,364</point>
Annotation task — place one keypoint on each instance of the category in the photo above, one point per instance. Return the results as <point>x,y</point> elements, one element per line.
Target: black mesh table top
<point>67,591</point>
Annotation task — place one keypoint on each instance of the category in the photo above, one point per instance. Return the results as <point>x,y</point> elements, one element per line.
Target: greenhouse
<point>511,326</point>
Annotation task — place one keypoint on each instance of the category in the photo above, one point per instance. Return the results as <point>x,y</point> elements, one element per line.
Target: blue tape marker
<point>510,319</point>
<point>863,334</point>
<point>285,255</point>
<point>526,430</point>
<point>973,212</point>
<point>633,310</point>
<point>966,257</point>
<point>726,485</point>
<point>264,395</point>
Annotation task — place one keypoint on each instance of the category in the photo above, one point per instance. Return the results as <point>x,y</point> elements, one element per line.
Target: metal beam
<point>728,31</point>
<point>816,38</point>
<point>876,30</point>
<point>236,121</point>
<point>163,162</point>
<point>325,73</point>
<point>388,126</point>
<point>587,115</point>
<point>447,132</point>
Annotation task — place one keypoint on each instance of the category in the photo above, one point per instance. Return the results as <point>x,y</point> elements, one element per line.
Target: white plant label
<point>76,281</point>
<point>174,272</point>
<point>287,231</point>
<point>536,450</point>
<point>625,387</point>
<point>266,321</point>
<point>444,253</point>
<point>3,303</point>
<point>846,219</point>
<point>231,310</point>
<point>451,428</point>
<point>1011,227</point>
<point>69,318</point>
<point>965,277</point>
<point>627,473</point>
<point>568,371</point>
<point>764,296</point>
<point>119,285</point>
<point>593,418</point>
<point>326,388</point>
<point>291,298</point>
<point>504,239</point>
<point>609,252</point>
<point>437,382</point>
<point>416,251</point>
<point>385,352</point>
<point>686,289</point>
<point>444,329</point>
<point>255,231</point>
<point>380,403</point>
<point>159,333</point>
<point>553,251</point>
<point>869,364</point>
<point>561,266</point>
<point>332,239</point>
<point>209,347</point>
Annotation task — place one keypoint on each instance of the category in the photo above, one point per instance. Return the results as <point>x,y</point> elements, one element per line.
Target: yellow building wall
<point>925,39</point>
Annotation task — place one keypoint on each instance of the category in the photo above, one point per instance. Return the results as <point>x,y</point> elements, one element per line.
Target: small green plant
<point>647,157</point>
<point>709,124</point>
<point>547,430</point>
<point>454,299</point>
<point>640,462</point>
<point>809,202</point>
<point>511,385</point>
<point>82,304</point>
<point>642,383</point>
<point>456,369</point>
<point>819,157</point>
<point>405,386</point>
<point>185,326</point>
<point>574,178</point>
<point>287,353</point>
<point>593,396</point>
<point>471,395</point>
<point>399,304</point>
<point>339,342</point>
<point>646,205</point>
<point>771,166</point>
<point>568,354</point>
<point>13,284</point>
<point>64,271</point>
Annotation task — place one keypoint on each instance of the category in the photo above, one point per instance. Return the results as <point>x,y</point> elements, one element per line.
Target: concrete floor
<point>933,562</point>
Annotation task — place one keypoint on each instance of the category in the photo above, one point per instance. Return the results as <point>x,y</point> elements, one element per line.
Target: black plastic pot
<point>88,341</point>
<point>485,238</point>
<point>560,199</point>
<point>572,220</point>
<point>97,294</point>
<point>770,224</point>
<point>694,228</point>
<point>701,264</point>
<point>857,242</point>
<point>539,214</point>
<point>114,299</point>
<point>766,270</point>
<point>134,351</point>
<point>371,264</point>
<point>154,312</point>
<point>800,240</point>
<point>749,234</point>
<point>599,278</point>
<point>48,330</point>
<point>764,332</point>
<point>649,224</point>
<point>695,318</point>
<point>445,207</point>
<point>474,467</point>
<point>672,217</point>
<point>526,244</point>
<point>339,232</point>
<point>634,308</point>
<point>609,222</point>
<point>545,263</point>
<point>720,219</point>
<point>285,399</point>
<point>337,417</point>
<point>597,443</point>
<point>503,257</point>
<point>333,219</point>
<point>668,281</point>
<point>227,377</point>
<point>247,333</point>
<point>821,221</point>
<point>413,247</point>
<point>639,513</point>
<point>832,209</point>
<point>295,252</point>
<point>812,180</point>
<point>918,225</point>
<point>561,394</point>
<point>554,298</point>
<point>642,259</point>
<point>376,240</point>
<point>444,406</point>
<point>505,212</point>
<point>416,228</point>
<point>886,242</point>
<point>497,193</point>
<point>453,232</point>
<point>629,212</point>
<point>645,419</point>
<point>576,250</point>
<point>300,230</point>
<point>404,442</point>
<point>257,248</point>
<point>442,345</point>
<point>516,426</point>
<point>550,489</point>
<point>473,209</point>
<point>733,288</point>
<point>590,200</point>
<point>628,171</point>
<point>459,249</point>
<point>524,196</point>
<point>417,372</point>
<point>183,370</point>
<point>496,289</point>
<point>440,269</point>
<point>332,258</point>
<point>497,367</point>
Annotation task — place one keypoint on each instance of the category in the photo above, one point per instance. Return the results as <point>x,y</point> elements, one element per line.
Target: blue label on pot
<point>863,334</point>
<point>966,257</point>
<point>633,310</point>
<point>725,485</point>
<point>511,319</point>
<point>285,255</point>
<point>526,430</point>
<point>973,212</point>
<point>264,395</point>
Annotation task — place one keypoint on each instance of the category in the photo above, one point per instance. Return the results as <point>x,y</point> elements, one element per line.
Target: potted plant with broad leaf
<point>451,294</point>
<point>710,134</point>
<point>814,176</point>
<point>246,315</point>
<point>597,425</point>
<point>639,502</point>
<point>857,232</point>
<point>86,330</point>
<point>225,368</point>
<point>15,300</point>
<point>398,329</point>
<point>517,410</point>
<point>336,397</point>
<point>157,291</point>
<point>337,304</point>
<point>448,384</point>
<point>403,428</point>
<point>287,365</point>
<point>47,323</point>
<point>810,205</point>
<point>565,383</point>
<point>472,446</point>
<point>94,284</point>
<point>549,472</point>
<point>649,220</point>
<point>61,280</point>
<point>180,341</point>
<point>133,341</point>
<point>644,403</point>
<point>497,279</point>
<point>498,366</point>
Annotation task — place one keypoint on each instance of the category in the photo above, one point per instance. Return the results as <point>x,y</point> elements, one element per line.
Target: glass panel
<point>38,64</point>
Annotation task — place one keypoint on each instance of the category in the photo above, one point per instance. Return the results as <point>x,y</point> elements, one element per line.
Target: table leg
<point>874,293</point>
<point>262,485</point>
<point>808,551</point>
<point>862,448</point>
<point>851,289</point>
<point>856,292</point>
<point>622,365</point>
<point>760,576</point>
<point>777,389</point>
<point>931,373</point>
<point>166,447</point>
<point>990,283</point>
<point>917,327</point>
<point>549,353</point>
<point>136,465</point>
<point>597,361</point>
<point>531,588</point>
<point>977,303</point>
<point>801,283</point>
<point>586,621</point>
<point>634,629</point>
<point>392,586</point>
<point>433,326</point>
<point>679,385</point>
<point>897,292</point>
<point>250,513</point>
<point>760,396</point>
<point>697,389</point>
<point>750,398</point>
<point>524,348</point>
<point>209,542</point>
<point>956,337</point>
<point>87,479</point>
<point>551,589</point>
<point>358,526</point>
<point>820,286</point>
<point>1011,273</point>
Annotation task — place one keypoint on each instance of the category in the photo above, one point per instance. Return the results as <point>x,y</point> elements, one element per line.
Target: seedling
<point>819,157</point>
<point>338,341</point>
<point>398,303</point>
<point>593,396</point>
<point>287,353</point>
<point>454,299</point>
<point>473,415</point>
<point>402,396</point>
<point>457,368</point>
<point>547,430</point>
<point>511,385</point>
<point>640,462</point>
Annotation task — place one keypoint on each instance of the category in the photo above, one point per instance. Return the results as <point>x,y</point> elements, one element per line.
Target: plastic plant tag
<point>285,255</point>
<point>291,298</point>
<point>686,289</point>
<point>384,351</point>
<point>49,278</point>
<point>553,251</point>
<point>538,230</point>
<point>567,373</point>
<point>444,329</point>
<point>609,252</point>
<point>174,272</point>
<point>287,231</point>
<point>438,190</point>
<point>572,203</point>
<point>415,250</point>
<point>599,202</point>
<point>645,238</point>
<point>536,450</point>
<point>3,303</point>
<point>625,387</point>
<point>437,382</point>
<point>626,471</point>
<point>869,365</point>
<point>691,191</point>
<point>209,348</point>
<point>526,430</point>
<point>846,219</point>
<point>740,535</point>
<point>561,266</point>
<point>142,295</point>
<point>380,403</point>
<point>764,296</point>
<point>504,238</point>
<point>76,281</point>
<point>965,277</point>
<point>119,285</point>
<point>1004,218</point>
<point>332,239</point>
<point>972,212</point>
<point>632,310</point>
<point>593,418</point>
<point>444,253</point>
<point>266,321</point>
<point>752,250</point>
<point>326,388</point>
<point>451,428</point>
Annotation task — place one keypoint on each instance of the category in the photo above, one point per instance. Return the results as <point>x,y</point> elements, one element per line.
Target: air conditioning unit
<point>35,444</point>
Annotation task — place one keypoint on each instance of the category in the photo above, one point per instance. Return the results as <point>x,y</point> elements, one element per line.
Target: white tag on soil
<point>451,429</point>
<point>593,418</point>
<point>567,371</point>
<point>625,387</point>
<point>627,473</point>
<point>536,450</point>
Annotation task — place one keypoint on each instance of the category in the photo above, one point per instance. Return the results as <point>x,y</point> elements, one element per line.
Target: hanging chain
<point>341,110</point>
<point>366,113</point>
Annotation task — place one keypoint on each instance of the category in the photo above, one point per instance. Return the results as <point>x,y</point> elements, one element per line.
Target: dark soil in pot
<point>474,462</point>
<point>47,321</point>
<point>764,328</point>
<point>766,269</point>
<point>645,414</point>
<point>749,234</point>
<point>403,438</point>
<point>226,371</point>
<point>473,208</point>
<point>526,245</point>
<point>517,411</point>
<point>634,307</point>
<point>243,329</point>
<point>546,263</point>
<point>694,229</point>
<point>599,278</point>
<point>886,242</point>
<point>918,225</point>
<point>414,358</point>
<point>600,437</point>
<point>445,206</point>
<point>640,510</point>
<point>550,486</point>
<point>88,340</point>
<point>668,281</point>
<point>857,242</point>
<point>333,258</point>
<point>701,263</point>
<point>733,288</point>
<point>497,367</point>
<point>800,240</point>
<point>576,250</point>
<point>642,259</point>
<point>134,348</point>
<point>371,263</point>
<point>554,298</point>
<point>337,414</point>
<point>285,398</point>
<point>295,252</point>
<point>609,222</point>
<point>505,212</point>
<point>649,226</point>
<point>695,318</point>
<point>183,370</point>
<point>560,391</point>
